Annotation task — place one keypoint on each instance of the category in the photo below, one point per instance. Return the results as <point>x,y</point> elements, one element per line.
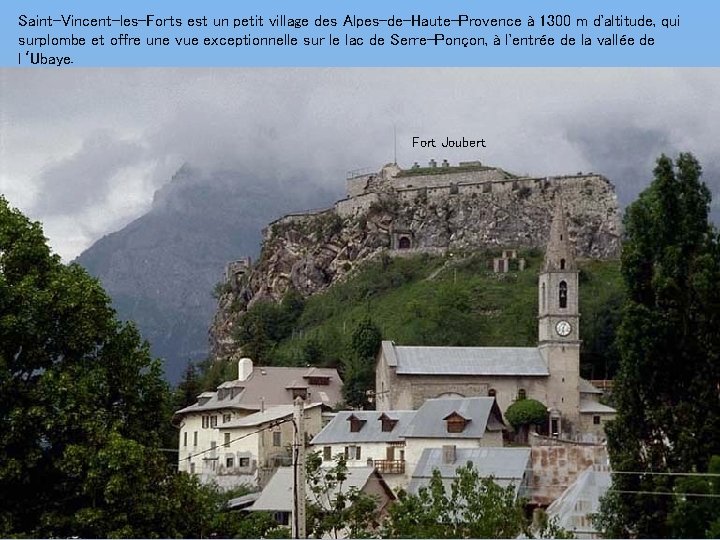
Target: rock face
<point>161,269</point>
<point>455,209</point>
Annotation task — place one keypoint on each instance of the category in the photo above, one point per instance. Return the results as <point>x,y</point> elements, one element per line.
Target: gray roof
<point>586,387</point>
<point>266,386</point>
<point>588,406</point>
<point>278,493</point>
<point>277,412</point>
<point>496,361</point>
<point>482,412</point>
<point>507,465</point>
<point>574,507</point>
<point>338,429</point>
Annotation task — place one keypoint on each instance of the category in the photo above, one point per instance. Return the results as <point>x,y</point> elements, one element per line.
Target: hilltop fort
<point>438,208</point>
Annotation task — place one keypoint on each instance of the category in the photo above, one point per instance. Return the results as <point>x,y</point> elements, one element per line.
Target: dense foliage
<point>470,507</point>
<point>84,411</point>
<point>666,390</point>
<point>427,300</point>
<point>526,412</point>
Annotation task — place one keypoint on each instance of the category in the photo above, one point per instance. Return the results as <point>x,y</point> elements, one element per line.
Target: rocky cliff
<point>436,209</point>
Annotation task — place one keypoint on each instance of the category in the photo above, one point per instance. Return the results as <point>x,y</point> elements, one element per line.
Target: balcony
<point>389,466</point>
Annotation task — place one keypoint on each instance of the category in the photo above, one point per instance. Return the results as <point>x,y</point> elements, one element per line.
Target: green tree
<point>333,507</point>
<point>524,413</point>
<point>666,387</point>
<point>471,507</point>
<point>359,364</point>
<point>83,408</point>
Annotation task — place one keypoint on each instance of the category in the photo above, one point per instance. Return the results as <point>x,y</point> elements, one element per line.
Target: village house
<point>393,441</point>
<point>506,466</point>
<point>406,376</point>
<point>205,425</point>
<point>277,497</point>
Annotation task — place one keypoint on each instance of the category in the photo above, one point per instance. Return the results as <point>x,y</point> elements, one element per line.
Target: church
<point>406,376</point>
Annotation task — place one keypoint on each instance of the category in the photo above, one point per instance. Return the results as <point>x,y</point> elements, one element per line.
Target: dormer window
<point>299,393</point>
<point>387,423</point>
<point>356,423</point>
<point>319,381</point>
<point>456,422</point>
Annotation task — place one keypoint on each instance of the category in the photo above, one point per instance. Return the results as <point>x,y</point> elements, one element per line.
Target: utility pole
<point>298,521</point>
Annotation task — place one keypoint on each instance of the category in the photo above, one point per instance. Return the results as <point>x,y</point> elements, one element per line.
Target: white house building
<point>393,441</point>
<point>203,426</point>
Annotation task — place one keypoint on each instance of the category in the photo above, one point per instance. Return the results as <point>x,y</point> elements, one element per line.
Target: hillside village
<point>435,407</point>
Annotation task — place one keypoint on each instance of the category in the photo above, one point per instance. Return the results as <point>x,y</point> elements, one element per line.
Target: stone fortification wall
<point>450,177</point>
<point>309,251</point>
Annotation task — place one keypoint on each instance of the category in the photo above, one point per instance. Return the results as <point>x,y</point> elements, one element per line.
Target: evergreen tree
<point>359,365</point>
<point>666,389</point>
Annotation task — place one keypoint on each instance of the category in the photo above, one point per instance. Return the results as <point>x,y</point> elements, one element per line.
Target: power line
<point>667,493</point>
<point>661,473</point>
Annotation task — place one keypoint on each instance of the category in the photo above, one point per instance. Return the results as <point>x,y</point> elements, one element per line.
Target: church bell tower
<point>558,321</point>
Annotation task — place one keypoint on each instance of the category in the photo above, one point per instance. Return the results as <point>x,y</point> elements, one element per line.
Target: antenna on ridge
<point>395,145</point>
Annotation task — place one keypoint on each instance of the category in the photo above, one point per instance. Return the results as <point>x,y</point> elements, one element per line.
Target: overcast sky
<point>83,150</point>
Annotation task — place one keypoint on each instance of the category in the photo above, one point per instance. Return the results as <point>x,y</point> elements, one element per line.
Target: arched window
<point>522,394</point>
<point>404,243</point>
<point>563,294</point>
<point>492,392</point>
<point>562,264</point>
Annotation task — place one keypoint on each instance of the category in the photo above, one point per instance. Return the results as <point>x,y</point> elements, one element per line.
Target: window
<point>563,294</point>
<point>352,452</point>
<point>455,423</point>
<point>205,421</point>
<point>319,381</point>
<point>299,393</point>
<point>522,394</point>
<point>276,438</point>
<point>229,462</point>
<point>562,264</point>
<point>195,438</point>
<point>213,421</point>
<point>492,392</point>
<point>355,423</point>
<point>542,305</point>
<point>387,423</point>
<point>185,438</point>
<point>596,419</point>
<point>213,445</point>
<point>327,453</point>
<point>192,468</point>
<point>244,462</point>
<point>227,440</point>
<point>227,418</point>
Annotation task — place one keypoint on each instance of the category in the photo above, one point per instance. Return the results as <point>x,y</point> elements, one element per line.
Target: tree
<point>472,507</point>
<point>334,508</point>
<point>84,409</point>
<point>524,413</point>
<point>666,387</point>
<point>359,364</point>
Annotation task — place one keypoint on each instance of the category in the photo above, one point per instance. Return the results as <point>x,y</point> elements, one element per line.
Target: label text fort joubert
<point>449,142</point>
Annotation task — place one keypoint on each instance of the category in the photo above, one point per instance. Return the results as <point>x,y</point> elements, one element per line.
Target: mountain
<point>162,268</point>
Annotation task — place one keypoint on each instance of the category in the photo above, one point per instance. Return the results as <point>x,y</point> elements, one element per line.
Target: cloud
<point>84,150</point>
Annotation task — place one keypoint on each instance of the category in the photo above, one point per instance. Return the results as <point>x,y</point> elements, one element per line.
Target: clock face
<point>563,328</point>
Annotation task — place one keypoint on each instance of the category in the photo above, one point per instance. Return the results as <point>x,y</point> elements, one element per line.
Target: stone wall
<point>309,251</point>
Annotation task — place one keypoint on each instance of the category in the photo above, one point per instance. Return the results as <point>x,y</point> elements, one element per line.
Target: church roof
<point>498,361</point>
<point>559,254</point>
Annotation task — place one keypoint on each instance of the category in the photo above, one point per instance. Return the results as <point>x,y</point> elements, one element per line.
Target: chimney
<point>448,454</point>
<point>245,368</point>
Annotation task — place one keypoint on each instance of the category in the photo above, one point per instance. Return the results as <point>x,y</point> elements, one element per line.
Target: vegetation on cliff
<point>425,300</point>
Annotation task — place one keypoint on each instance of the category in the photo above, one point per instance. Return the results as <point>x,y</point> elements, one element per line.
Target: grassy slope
<point>462,304</point>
